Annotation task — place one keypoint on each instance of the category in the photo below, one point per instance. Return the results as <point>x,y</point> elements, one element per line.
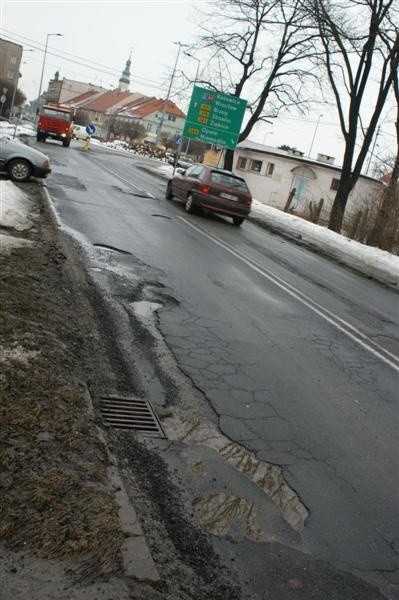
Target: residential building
<point>60,91</point>
<point>10,61</point>
<point>151,112</point>
<point>105,109</point>
<point>273,174</point>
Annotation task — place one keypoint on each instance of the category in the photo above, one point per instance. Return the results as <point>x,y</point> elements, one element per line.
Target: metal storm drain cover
<point>130,413</point>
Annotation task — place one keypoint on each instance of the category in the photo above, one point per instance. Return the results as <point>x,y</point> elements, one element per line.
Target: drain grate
<point>130,413</point>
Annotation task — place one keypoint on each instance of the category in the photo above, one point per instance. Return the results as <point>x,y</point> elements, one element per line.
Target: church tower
<point>124,81</point>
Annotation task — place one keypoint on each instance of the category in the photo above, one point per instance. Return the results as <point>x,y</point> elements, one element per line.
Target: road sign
<point>90,129</point>
<point>214,118</point>
<point>179,141</point>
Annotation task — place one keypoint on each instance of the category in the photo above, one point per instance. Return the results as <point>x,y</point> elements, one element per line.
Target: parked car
<point>79,132</point>
<point>183,162</point>
<point>20,161</point>
<point>213,189</point>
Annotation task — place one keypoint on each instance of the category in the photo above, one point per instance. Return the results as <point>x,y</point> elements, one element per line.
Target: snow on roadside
<point>373,262</point>
<point>15,211</point>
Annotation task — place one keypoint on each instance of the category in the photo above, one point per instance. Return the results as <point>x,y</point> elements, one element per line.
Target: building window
<point>334,184</point>
<point>149,127</point>
<point>241,163</point>
<point>171,118</point>
<point>269,169</point>
<point>256,165</point>
<point>13,60</point>
<point>10,74</point>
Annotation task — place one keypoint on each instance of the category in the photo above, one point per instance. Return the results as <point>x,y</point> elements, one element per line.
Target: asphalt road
<point>297,356</point>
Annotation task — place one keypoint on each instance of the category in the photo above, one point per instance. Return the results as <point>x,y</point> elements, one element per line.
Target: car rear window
<point>229,181</point>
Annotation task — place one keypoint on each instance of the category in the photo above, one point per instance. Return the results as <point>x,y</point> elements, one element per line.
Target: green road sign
<point>214,118</point>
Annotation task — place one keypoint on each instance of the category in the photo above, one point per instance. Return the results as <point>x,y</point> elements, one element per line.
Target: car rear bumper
<point>224,207</point>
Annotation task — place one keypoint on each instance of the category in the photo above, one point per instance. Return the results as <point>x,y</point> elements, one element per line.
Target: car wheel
<point>237,221</point>
<point>66,143</point>
<point>19,169</point>
<point>189,206</point>
<point>169,194</point>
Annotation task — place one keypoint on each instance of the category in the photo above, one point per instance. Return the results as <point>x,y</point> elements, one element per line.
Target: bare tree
<point>386,224</point>
<point>360,44</point>
<point>259,50</point>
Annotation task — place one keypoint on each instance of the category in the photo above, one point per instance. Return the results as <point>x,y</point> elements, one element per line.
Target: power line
<point>110,71</point>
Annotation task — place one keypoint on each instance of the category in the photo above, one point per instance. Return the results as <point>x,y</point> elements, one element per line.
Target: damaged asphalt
<point>194,516</point>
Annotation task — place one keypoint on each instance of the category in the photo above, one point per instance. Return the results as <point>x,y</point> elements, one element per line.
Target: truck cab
<point>55,122</point>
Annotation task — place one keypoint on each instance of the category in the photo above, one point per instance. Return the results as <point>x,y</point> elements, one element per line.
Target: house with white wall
<point>272,174</point>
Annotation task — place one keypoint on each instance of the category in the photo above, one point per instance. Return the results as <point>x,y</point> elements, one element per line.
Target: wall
<point>279,174</point>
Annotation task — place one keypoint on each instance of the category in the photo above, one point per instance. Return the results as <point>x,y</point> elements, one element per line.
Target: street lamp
<point>169,90</point>
<point>314,135</point>
<point>198,66</point>
<point>44,63</point>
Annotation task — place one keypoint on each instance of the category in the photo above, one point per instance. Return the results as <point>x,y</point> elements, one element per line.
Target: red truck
<point>56,122</point>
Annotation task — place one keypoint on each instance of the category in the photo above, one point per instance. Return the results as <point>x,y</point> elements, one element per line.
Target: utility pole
<point>169,90</point>
<point>372,151</point>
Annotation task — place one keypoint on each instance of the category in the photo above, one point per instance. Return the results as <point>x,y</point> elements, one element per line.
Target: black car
<point>216,190</point>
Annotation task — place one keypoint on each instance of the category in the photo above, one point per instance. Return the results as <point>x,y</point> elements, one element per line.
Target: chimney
<point>324,158</point>
<point>295,152</point>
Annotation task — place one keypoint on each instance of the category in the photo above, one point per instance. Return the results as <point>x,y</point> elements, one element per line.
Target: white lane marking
<point>349,330</point>
<point>122,178</point>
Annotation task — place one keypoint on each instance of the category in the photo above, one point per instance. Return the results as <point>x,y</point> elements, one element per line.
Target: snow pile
<point>15,211</point>
<point>373,262</point>
<point>8,129</point>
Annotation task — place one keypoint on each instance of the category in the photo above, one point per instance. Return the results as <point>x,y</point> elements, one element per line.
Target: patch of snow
<point>18,355</point>
<point>373,262</point>
<point>15,207</point>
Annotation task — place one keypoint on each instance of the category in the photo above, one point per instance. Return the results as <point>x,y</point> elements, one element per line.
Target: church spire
<point>124,81</point>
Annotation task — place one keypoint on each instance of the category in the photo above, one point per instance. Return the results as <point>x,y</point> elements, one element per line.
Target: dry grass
<point>54,497</point>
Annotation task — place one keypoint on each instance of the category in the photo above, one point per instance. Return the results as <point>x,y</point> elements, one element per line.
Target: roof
<point>130,104</point>
<point>256,147</point>
<point>156,105</point>
<point>106,100</point>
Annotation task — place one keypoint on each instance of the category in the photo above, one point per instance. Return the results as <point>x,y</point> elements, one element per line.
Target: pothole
<point>187,429</point>
<point>112,249</point>
<point>220,514</point>
<point>162,217</point>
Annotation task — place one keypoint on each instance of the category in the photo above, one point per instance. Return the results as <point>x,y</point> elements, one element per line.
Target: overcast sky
<point>103,34</point>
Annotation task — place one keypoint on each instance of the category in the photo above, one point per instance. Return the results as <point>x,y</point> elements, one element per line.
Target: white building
<point>271,175</point>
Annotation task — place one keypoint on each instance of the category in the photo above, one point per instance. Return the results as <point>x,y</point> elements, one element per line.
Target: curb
<point>136,556</point>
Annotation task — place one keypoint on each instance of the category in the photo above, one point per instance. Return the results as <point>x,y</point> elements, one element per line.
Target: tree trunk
<point>340,201</point>
<point>228,160</point>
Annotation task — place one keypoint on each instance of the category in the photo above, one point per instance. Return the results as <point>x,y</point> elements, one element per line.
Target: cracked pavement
<point>234,353</point>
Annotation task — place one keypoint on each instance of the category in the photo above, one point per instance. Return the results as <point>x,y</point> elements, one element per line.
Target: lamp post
<point>195,81</point>
<point>198,66</point>
<point>169,90</point>
<point>314,135</point>
<point>44,63</point>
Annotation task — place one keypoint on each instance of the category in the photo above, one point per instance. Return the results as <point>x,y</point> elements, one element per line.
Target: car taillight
<point>204,189</point>
<point>46,163</point>
<point>248,201</point>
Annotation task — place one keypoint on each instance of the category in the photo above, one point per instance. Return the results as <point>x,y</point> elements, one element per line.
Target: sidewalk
<point>371,262</point>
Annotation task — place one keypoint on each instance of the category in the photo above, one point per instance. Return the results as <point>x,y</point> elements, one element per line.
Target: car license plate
<point>228,196</point>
